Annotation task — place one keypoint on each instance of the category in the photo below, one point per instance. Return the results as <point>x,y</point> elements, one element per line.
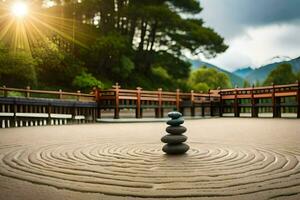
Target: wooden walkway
<point>276,99</point>
<point>38,107</point>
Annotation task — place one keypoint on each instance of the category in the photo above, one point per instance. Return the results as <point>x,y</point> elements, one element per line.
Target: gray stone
<point>174,115</point>
<point>174,139</point>
<point>175,148</point>
<point>175,122</point>
<point>176,130</point>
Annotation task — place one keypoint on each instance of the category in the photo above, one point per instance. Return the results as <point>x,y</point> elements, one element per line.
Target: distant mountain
<point>235,80</point>
<point>260,74</point>
<point>252,75</point>
<point>243,72</point>
<point>277,59</point>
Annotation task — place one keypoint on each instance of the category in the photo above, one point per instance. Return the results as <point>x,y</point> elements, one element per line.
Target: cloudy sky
<point>255,30</point>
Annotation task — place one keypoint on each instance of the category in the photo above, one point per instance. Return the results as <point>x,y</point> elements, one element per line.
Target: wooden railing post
<point>4,91</point>
<point>14,121</point>
<point>78,95</point>
<point>178,100</point>
<point>96,92</point>
<point>254,109</point>
<point>298,99</point>
<point>203,106</point>
<point>211,105</point>
<point>95,111</point>
<point>159,109</point>
<point>117,109</point>
<point>236,104</point>
<point>60,94</point>
<point>192,104</point>
<point>138,102</point>
<point>28,91</point>
<point>221,105</point>
<point>49,114</point>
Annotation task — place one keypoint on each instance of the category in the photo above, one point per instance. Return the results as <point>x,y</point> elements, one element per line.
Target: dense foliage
<point>55,68</point>
<point>282,74</point>
<point>298,76</point>
<point>204,79</point>
<point>86,81</point>
<point>133,42</point>
<point>16,69</point>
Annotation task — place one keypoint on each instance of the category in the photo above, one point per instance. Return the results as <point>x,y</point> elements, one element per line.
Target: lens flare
<point>28,24</point>
<point>19,9</point>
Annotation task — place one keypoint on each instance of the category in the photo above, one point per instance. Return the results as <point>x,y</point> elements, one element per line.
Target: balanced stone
<point>176,130</point>
<point>175,122</point>
<point>174,139</point>
<point>174,115</point>
<point>175,148</point>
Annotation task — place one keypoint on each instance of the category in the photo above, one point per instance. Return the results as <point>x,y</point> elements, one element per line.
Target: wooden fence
<point>27,107</point>
<point>275,99</point>
<point>159,100</point>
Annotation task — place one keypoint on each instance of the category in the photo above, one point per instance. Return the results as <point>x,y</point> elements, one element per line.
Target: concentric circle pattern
<point>143,170</point>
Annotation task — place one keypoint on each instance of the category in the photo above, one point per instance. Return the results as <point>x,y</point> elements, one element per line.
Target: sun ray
<point>61,33</point>
<point>39,33</point>
<point>6,29</point>
<point>24,24</point>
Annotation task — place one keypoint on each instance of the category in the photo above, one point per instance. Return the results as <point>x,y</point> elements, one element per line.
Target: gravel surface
<point>228,159</point>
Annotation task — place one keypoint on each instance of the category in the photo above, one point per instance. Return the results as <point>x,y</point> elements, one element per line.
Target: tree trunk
<point>143,34</point>
<point>153,34</point>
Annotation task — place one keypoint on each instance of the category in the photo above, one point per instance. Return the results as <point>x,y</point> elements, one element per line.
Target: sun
<point>19,9</point>
<point>24,26</point>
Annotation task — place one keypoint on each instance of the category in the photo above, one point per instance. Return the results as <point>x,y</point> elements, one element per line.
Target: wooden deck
<point>276,99</point>
<point>38,107</point>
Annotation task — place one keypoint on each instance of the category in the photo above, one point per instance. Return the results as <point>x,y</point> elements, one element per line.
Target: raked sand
<point>228,159</point>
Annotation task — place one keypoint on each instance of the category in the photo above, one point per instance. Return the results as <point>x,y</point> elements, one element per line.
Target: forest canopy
<point>133,42</point>
<point>282,74</point>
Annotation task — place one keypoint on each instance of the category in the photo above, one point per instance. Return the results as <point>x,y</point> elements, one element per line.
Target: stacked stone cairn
<point>175,138</point>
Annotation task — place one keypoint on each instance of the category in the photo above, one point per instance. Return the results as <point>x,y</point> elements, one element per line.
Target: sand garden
<point>228,159</point>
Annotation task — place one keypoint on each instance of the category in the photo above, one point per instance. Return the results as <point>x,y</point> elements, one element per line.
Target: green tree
<point>55,67</point>
<point>110,56</point>
<point>86,81</point>
<point>282,74</point>
<point>298,76</point>
<point>208,78</point>
<point>120,40</point>
<point>258,83</point>
<point>16,69</point>
<point>200,87</point>
<point>246,84</point>
<point>133,36</point>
